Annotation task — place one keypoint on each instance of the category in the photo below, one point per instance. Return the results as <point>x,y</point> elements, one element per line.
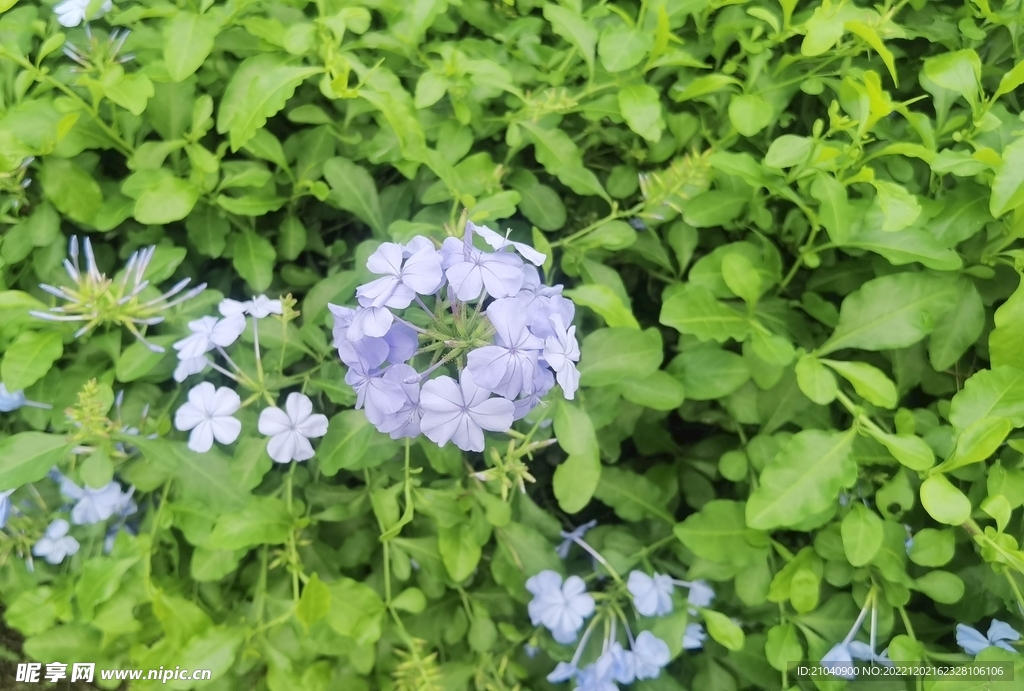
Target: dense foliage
<point>792,236</point>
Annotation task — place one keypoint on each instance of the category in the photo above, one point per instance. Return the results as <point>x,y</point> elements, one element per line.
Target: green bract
<point>793,233</point>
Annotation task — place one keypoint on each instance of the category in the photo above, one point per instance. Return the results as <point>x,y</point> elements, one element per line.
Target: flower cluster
<point>95,299</point>
<point>509,335</point>
<point>209,413</point>
<point>87,506</point>
<point>563,606</point>
<point>840,657</point>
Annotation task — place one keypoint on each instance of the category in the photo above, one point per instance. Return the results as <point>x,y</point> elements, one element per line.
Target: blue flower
<point>837,658</point>
<point>999,635</point>
<point>623,663</point>
<point>561,608</point>
<point>507,367</point>
<point>95,505</point>
<point>701,594</point>
<point>571,537</point>
<point>10,400</point>
<point>650,654</point>
<point>5,506</point>
<point>56,543</point>
<point>693,637</point>
<point>651,596</point>
<point>598,676</point>
<point>460,412</point>
<point>405,275</point>
<point>862,651</point>
<point>563,671</point>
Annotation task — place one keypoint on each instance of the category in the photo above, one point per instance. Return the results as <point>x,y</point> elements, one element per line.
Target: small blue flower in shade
<point>693,637</point>
<point>56,543</point>
<point>95,505</point>
<point>559,607</point>
<point>862,651</point>
<point>652,596</point>
<point>701,594</point>
<point>650,654</point>
<point>1000,634</point>
<point>597,676</point>
<point>837,658</point>
<point>623,663</point>
<point>571,536</point>
<point>530,650</point>
<point>563,671</point>
<point>5,506</point>
<point>10,400</point>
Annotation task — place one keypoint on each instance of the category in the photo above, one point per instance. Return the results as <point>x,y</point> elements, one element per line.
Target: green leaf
<point>943,587</point>
<point>908,449</point>
<point>996,392</point>
<point>606,302</point>
<point>1008,183</point>
<point>633,497</point>
<point>610,355</point>
<point>693,309</point>
<point>907,246</point>
<point>28,456</point>
<point>542,206</point>
<point>783,647</point>
<point>959,72</point>
<point>99,580</point>
<point>1005,339</point>
<point>137,360</point>
<point>253,259</point>
<point>741,277</point>
<point>961,326</point>
<point>659,391</point>
<point>815,380</point>
<point>576,479</point>
<point>170,199</point>
<point>709,373</point>
<point>71,189</point>
<point>750,113</point>
<point>265,521</point>
<point>131,92</point>
<point>459,550</point>
<point>723,629</point>
<point>353,443</point>
<point>899,207</point>
<point>862,534</point>
<point>944,502</point>
<point>353,190</point>
<point>623,47</point>
<point>977,442</point>
<point>720,534</point>
<point>892,311</point>
<point>356,611</point>
<point>640,105</point>
<point>834,210</point>
<point>932,547</point>
<point>868,381</point>
<point>259,88</point>
<point>29,358</point>
<point>315,602</point>
<point>203,478</point>
<point>213,650</point>
<point>574,29</point>
<point>803,480</point>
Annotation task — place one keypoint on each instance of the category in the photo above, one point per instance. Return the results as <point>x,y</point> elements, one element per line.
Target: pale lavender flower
<point>701,594</point>
<point>406,421</point>
<point>403,278</point>
<point>571,536</point>
<point>291,431</point>
<point>370,321</point>
<point>231,308</point>
<point>209,333</point>
<point>262,306</point>
<point>460,412</point>
<point>96,504</point>
<point>10,400</point>
<point>507,367</point>
<point>838,660</point>
<point>652,596</point>
<point>1000,634</point>
<point>694,637</point>
<point>650,654</point>
<point>380,397</point>
<point>186,368</point>
<point>56,544</point>
<point>563,671</point>
<point>562,352</point>
<point>543,382</point>
<point>5,506</point>
<point>208,414</point>
<point>496,241</point>
<point>402,342</point>
<point>71,13</point>
<point>559,607</point>
<point>470,271</point>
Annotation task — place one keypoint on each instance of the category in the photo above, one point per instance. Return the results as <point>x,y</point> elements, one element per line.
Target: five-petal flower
<point>56,543</point>
<point>291,429</point>
<point>208,413</point>
<point>559,607</point>
<point>460,412</point>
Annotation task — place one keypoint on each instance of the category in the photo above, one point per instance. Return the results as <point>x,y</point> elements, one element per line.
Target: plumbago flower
<point>209,413</point>
<point>485,312</point>
<point>1000,635</point>
<point>12,400</point>
<point>93,299</point>
<point>564,606</point>
<point>56,543</point>
<point>73,12</point>
<point>839,659</point>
